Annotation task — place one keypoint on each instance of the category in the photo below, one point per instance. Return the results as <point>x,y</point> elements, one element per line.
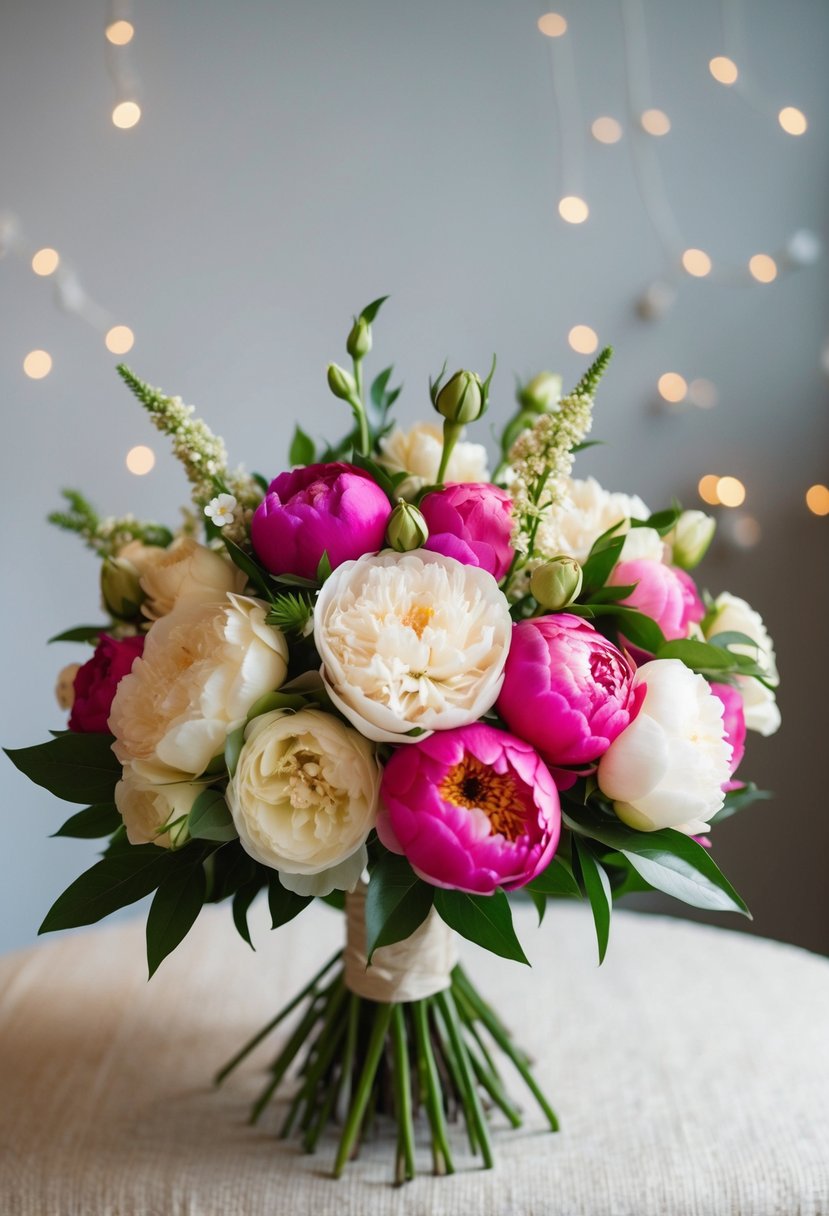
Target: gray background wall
<point>296,160</point>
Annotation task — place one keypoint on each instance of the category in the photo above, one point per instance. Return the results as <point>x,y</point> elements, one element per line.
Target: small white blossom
<point>221,509</point>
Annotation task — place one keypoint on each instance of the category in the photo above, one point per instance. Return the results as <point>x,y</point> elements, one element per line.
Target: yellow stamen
<point>418,617</point>
<point>471,783</point>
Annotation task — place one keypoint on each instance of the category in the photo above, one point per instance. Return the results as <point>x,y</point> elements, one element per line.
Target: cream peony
<point>667,768</point>
<point>732,614</point>
<point>186,573</point>
<point>589,510</point>
<point>146,808</point>
<point>418,451</point>
<point>413,640</point>
<point>304,799</point>
<point>203,667</point>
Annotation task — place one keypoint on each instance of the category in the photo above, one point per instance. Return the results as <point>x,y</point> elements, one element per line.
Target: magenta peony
<point>324,508</point>
<point>97,680</point>
<point>666,594</point>
<point>473,809</point>
<point>735,725</point>
<point>473,523</point>
<point>567,690</point>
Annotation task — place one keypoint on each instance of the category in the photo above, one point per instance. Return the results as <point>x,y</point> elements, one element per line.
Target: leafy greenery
<point>100,820</point>
<point>117,880</point>
<point>302,449</point>
<point>290,611</point>
<point>75,766</point>
<point>284,904</point>
<point>483,919</point>
<point>174,909</point>
<point>397,902</point>
<point>209,818</point>
<point>597,889</point>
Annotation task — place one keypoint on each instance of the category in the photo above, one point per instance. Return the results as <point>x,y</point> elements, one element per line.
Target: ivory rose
<point>186,573</point>
<point>418,451</point>
<point>304,799</point>
<point>203,667</point>
<point>412,641</point>
<point>146,807</point>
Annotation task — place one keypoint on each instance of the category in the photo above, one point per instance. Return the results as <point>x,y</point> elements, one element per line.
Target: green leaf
<point>77,767</point>
<point>284,904</point>
<point>731,637</point>
<point>117,880</point>
<point>611,594</point>
<point>209,818</point>
<point>377,392</point>
<point>81,633</point>
<point>661,521</point>
<point>737,800</point>
<point>540,902</point>
<point>276,700</point>
<point>303,449</point>
<point>242,900</point>
<point>100,820</point>
<point>667,859</point>
<point>371,310</point>
<point>233,747</point>
<point>397,902</point>
<point>638,629</point>
<point>597,569</point>
<point>484,919</point>
<point>251,568</point>
<point>597,889</point>
<point>173,912</point>
<point>290,612</point>
<point>557,879</point>
<point>709,660</point>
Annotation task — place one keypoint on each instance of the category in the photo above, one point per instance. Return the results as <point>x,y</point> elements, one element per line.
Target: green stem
<point>372,1060</point>
<point>403,1090</point>
<point>432,1090</point>
<point>359,409</point>
<point>326,1044</point>
<point>283,1061</point>
<point>451,434</point>
<point>452,1067</point>
<point>446,1004</point>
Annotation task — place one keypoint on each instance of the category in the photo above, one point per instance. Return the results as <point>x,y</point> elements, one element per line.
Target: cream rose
<point>667,768</point>
<point>203,667</point>
<point>147,808</point>
<point>413,640</point>
<point>732,614</point>
<point>186,573</point>
<point>588,511</point>
<point>418,451</point>
<point>304,799</point>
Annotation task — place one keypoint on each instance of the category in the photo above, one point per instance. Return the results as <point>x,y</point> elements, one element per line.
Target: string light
<point>792,120</point>
<point>703,394</point>
<point>553,25</point>
<point>708,489</point>
<point>723,69</point>
<point>119,33</point>
<point>672,387</point>
<point>573,209</point>
<point>37,364</point>
<point>45,261</point>
<point>817,499</point>
<point>731,492</point>
<point>762,268</point>
<point>696,262</point>
<point>583,339</point>
<point>606,130</point>
<point>655,122</point>
<point>119,339</point>
<point>140,460</point>
<point>126,114</point>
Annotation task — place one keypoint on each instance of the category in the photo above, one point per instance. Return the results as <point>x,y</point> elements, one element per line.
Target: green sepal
<point>483,919</point>
<point>276,700</point>
<point>233,747</point>
<point>323,567</point>
<point>95,821</point>
<point>397,902</point>
<point>76,766</point>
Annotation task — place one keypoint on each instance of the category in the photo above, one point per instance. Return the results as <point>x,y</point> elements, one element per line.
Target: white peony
<point>413,640</point>
<point>667,768</point>
<point>203,667</point>
<point>732,614</point>
<point>418,451</point>
<point>589,510</point>
<point>147,807</point>
<point>304,799</point>
<point>186,573</point>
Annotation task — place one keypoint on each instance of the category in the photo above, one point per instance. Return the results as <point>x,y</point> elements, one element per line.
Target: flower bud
<point>557,583</point>
<point>121,588</point>
<point>65,686</point>
<point>342,384</point>
<point>541,394</point>
<point>690,538</point>
<point>407,529</point>
<point>358,343</point>
<point>461,399</point>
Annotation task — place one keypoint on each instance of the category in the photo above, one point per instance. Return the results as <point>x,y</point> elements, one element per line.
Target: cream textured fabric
<point>691,1074</point>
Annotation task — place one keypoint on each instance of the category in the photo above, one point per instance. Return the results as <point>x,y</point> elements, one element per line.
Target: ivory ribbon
<point>405,971</point>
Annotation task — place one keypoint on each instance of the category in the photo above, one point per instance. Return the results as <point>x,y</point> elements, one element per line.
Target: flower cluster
<point>388,660</point>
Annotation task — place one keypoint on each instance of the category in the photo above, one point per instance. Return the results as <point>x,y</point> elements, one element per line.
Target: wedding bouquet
<point>390,681</point>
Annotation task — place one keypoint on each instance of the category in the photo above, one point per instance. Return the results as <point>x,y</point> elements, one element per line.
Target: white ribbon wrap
<point>405,971</point>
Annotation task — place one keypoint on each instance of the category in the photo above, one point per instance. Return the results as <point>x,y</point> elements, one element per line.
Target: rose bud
<point>557,583</point>
<point>121,588</point>
<point>358,343</point>
<point>407,529</point>
<point>323,508</point>
<point>690,538</point>
<point>462,398</point>
<point>341,383</point>
<point>540,394</point>
<point>472,523</point>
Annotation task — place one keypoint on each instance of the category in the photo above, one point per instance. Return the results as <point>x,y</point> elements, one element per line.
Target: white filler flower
<point>304,799</point>
<point>221,509</point>
<point>667,768</point>
<point>413,641</point>
<point>732,614</point>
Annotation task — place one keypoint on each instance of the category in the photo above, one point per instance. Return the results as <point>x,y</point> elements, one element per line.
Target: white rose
<point>146,808</point>
<point>732,614</point>
<point>203,667</point>
<point>418,451</point>
<point>304,799</point>
<point>667,768</point>
<point>186,573</point>
<point>411,640</point>
<point>587,512</point>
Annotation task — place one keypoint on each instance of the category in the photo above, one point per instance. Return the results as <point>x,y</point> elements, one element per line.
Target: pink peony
<point>472,809</point>
<point>323,508</point>
<point>567,690</point>
<point>97,680</point>
<point>668,595</point>
<point>471,522</point>
<point>735,726</point>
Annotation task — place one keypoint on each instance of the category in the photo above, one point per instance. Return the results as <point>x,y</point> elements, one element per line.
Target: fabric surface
<point>690,1072</point>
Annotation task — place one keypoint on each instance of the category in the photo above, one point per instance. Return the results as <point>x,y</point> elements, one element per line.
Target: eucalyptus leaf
<point>397,902</point>
<point>76,766</point>
<point>483,919</point>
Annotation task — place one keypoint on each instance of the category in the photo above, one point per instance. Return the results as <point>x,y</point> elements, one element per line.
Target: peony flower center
<point>604,671</point>
<point>305,783</point>
<point>472,784</point>
<point>418,617</point>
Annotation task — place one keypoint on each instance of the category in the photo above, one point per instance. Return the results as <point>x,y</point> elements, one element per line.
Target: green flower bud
<point>557,583</point>
<point>341,383</point>
<point>121,588</point>
<point>541,394</point>
<point>690,538</point>
<point>358,343</point>
<point>462,398</point>
<point>407,529</point>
